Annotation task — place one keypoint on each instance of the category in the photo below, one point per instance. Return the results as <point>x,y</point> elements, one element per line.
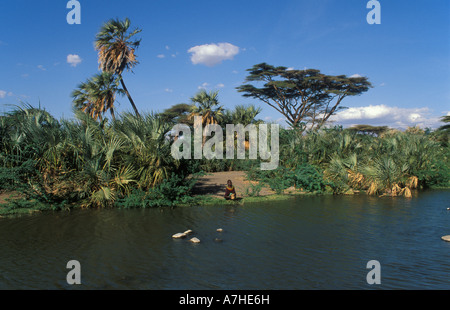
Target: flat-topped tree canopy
<point>368,129</point>
<point>307,98</point>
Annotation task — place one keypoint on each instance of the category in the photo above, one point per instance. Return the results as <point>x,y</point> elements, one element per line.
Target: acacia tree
<point>446,120</point>
<point>368,129</point>
<point>178,114</point>
<point>307,98</point>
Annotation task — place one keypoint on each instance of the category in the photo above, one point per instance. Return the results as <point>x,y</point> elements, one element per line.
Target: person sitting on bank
<point>230,191</point>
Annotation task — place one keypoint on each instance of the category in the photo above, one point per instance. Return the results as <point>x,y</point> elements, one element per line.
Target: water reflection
<point>313,242</point>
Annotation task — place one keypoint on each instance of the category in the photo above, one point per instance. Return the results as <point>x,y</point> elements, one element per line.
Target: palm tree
<point>207,106</point>
<point>146,147</point>
<point>116,50</point>
<point>97,95</point>
<point>245,115</point>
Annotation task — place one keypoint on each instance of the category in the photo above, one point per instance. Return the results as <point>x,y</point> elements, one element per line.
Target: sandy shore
<point>214,184</point>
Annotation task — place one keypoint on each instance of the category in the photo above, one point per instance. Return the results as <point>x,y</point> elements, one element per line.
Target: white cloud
<point>281,120</point>
<point>168,90</point>
<point>204,86</point>
<point>74,60</point>
<point>161,56</point>
<point>4,93</point>
<point>213,54</point>
<point>370,112</point>
<point>382,115</point>
<point>356,75</point>
<point>41,67</point>
<point>413,117</point>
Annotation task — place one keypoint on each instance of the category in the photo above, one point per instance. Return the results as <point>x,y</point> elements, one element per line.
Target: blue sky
<point>406,57</point>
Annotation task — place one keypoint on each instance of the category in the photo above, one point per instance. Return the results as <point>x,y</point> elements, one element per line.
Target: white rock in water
<point>219,230</point>
<point>446,238</point>
<point>187,232</point>
<point>195,240</point>
<point>178,236</point>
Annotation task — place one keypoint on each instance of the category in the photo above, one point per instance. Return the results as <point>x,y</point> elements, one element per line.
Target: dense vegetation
<point>90,161</point>
<point>127,162</point>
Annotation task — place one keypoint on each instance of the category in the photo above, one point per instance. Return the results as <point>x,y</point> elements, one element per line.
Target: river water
<point>311,242</point>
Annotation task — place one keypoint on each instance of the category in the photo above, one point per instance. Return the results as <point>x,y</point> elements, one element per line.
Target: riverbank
<point>213,184</point>
<point>208,191</point>
<point>13,203</point>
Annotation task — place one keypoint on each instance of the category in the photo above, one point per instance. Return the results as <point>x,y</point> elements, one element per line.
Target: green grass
<point>21,206</point>
<point>17,206</point>
<point>208,200</point>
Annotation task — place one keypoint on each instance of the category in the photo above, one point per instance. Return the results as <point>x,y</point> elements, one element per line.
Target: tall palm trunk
<point>129,96</point>
<point>112,114</point>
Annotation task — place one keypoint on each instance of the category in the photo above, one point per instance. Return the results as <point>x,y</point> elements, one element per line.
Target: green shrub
<point>171,192</point>
<point>303,176</point>
<point>308,178</point>
<point>253,189</point>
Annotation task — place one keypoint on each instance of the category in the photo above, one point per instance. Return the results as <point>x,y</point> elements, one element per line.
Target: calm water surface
<point>304,243</point>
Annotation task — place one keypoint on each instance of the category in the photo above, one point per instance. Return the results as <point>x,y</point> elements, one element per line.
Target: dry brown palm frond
<point>373,189</point>
<point>412,182</point>
<point>407,192</point>
<point>396,190</point>
<point>356,179</point>
<point>116,57</point>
